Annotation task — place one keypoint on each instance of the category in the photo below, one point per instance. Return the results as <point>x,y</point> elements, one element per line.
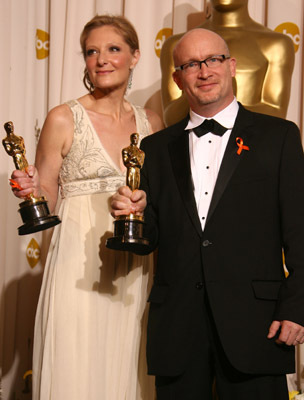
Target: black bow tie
<point>209,125</point>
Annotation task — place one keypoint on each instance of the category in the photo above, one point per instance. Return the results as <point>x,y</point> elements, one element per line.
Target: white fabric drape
<point>30,86</point>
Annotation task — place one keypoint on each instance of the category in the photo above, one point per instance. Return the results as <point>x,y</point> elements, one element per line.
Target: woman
<point>91,307</point>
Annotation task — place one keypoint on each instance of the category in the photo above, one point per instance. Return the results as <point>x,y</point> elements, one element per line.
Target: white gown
<point>91,317</point>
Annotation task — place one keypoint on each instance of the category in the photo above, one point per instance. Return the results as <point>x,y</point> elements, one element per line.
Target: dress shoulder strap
<point>142,123</point>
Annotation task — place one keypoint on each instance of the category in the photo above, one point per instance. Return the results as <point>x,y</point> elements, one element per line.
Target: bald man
<point>222,193</point>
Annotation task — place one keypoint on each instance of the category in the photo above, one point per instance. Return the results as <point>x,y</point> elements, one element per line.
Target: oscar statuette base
<point>128,234</point>
<point>36,216</point>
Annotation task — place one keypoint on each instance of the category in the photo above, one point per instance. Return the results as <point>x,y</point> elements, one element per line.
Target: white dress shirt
<point>206,154</point>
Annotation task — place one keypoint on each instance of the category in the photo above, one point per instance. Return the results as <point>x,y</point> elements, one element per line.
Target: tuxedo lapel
<point>180,160</point>
<point>231,159</point>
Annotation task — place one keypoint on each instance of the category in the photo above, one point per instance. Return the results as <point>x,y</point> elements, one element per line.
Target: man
<point>221,209</point>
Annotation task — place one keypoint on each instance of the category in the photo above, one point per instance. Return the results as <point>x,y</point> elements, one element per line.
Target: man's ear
<point>177,80</point>
<point>232,64</point>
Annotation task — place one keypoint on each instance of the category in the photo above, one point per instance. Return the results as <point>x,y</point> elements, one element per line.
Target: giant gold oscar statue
<point>265,61</point>
<point>128,229</point>
<point>34,211</point>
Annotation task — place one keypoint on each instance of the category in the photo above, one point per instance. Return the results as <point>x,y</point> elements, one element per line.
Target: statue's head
<point>9,127</point>
<point>228,5</point>
<point>134,138</point>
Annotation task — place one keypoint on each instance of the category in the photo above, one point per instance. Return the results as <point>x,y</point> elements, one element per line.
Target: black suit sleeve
<point>291,194</point>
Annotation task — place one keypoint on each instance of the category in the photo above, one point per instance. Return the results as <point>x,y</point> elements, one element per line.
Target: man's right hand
<point>125,202</point>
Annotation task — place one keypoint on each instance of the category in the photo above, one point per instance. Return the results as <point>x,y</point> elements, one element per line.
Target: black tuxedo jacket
<point>257,210</point>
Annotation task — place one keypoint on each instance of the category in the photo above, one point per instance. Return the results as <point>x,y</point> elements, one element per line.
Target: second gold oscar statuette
<point>128,229</point>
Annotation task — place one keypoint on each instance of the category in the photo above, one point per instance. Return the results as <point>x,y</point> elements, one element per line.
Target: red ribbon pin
<point>240,143</point>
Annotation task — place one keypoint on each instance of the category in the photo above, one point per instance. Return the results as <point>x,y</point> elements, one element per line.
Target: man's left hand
<point>290,334</point>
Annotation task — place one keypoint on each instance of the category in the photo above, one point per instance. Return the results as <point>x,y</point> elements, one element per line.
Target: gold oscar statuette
<point>128,229</point>
<point>34,211</point>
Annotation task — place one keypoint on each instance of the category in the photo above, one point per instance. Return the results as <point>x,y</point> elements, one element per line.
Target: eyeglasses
<point>210,62</point>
